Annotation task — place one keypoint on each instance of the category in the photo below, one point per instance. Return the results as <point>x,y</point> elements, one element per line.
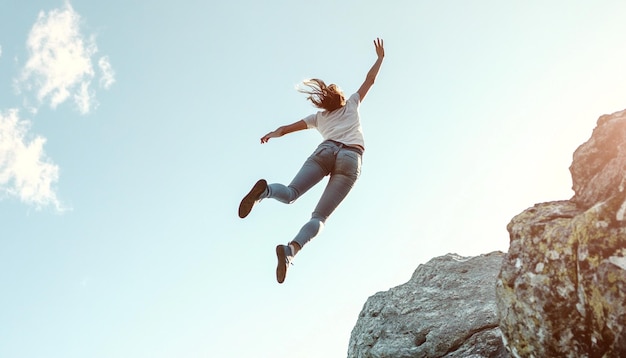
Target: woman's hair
<point>322,96</point>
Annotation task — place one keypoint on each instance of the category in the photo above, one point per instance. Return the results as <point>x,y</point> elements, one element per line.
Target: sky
<point>129,132</point>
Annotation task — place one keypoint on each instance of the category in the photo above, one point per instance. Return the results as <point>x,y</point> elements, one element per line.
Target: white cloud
<point>59,67</point>
<point>84,98</point>
<point>108,75</point>
<point>25,170</point>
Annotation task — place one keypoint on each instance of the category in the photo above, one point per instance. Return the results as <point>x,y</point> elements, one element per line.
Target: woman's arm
<point>371,75</point>
<point>281,131</point>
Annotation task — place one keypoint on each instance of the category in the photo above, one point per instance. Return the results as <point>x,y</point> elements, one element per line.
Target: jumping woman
<point>338,155</point>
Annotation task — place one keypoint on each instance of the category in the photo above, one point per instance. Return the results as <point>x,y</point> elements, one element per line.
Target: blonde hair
<point>325,97</point>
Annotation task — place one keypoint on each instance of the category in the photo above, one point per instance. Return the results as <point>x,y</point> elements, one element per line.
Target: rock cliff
<point>561,291</point>
<point>447,309</point>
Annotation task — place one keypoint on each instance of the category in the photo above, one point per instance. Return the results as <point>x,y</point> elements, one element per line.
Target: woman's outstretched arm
<point>282,130</point>
<point>371,75</point>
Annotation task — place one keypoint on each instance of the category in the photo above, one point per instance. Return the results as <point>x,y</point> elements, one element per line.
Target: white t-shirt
<point>341,125</point>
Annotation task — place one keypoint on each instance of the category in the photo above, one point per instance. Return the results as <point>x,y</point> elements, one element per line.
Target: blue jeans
<point>344,167</point>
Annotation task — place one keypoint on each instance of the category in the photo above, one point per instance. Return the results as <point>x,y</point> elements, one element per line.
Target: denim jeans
<point>344,167</point>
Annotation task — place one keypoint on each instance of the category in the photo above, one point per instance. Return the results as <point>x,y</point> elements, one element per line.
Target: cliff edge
<point>446,309</point>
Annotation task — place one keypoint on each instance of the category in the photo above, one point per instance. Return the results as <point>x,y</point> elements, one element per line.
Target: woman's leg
<point>346,171</point>
<point>345,168</point>
<point>314,169</point>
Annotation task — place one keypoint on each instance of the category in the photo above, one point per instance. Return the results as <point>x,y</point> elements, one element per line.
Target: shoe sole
<point>245,207</point>
<point>281,268</point>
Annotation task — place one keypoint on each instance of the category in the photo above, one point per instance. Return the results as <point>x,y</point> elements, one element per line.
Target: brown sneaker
<point>252,198</point>
<point>285,256</point>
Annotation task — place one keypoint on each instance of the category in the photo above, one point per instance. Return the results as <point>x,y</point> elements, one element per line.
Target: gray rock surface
<point>447,309</point>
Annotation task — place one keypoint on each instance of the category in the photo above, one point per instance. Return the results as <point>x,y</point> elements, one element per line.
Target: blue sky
<point>129,131</point>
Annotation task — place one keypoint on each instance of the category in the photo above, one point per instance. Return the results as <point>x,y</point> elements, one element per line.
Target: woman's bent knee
<point>282,193</point>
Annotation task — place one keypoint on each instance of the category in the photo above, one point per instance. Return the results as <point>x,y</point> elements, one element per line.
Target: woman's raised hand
<point>380,50</point>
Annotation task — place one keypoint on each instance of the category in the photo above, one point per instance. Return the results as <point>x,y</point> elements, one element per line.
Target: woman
<point>339,155</point>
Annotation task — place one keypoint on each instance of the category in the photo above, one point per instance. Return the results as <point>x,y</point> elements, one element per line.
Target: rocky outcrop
<point>446,309</point>
<point>599,165</point>
<point>561,291</point>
